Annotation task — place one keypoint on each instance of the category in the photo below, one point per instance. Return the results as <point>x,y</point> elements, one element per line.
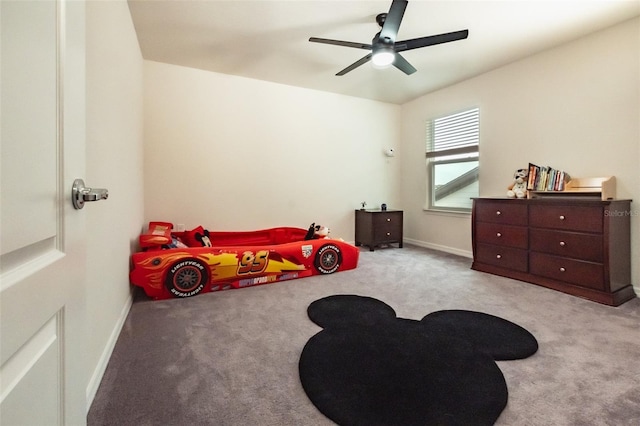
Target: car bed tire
<point>187,277</point>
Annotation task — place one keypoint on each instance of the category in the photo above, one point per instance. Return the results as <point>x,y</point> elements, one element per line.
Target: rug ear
<point>349,310</point>
<point>499,338</point>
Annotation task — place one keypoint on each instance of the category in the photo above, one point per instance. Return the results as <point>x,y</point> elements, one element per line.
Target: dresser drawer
<point>584,274</point>
<point>573,218</point>
<point>568,244</point>
<point>506,213</point>
<point>502,235</point>
<point>505,257</point>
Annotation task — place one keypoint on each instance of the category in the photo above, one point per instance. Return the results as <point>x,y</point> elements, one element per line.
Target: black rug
<point>368,367</point>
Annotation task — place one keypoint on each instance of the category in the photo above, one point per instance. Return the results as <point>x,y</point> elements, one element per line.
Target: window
<point>452,161</point>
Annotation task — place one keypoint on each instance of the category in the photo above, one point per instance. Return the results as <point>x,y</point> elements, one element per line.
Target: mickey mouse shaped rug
<point>367,367</point>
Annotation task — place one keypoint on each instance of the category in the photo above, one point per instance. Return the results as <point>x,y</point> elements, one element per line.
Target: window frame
<point>432,155</point>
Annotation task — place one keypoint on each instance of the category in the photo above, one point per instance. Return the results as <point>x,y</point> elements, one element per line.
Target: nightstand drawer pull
<point>561,217</point>
<point>562,244</point>
<point>562,270</point>
<point>388,233</point>
<point>498,213</point>
<point>498,235</point>
<point>498,256</point>
<point>388,219</point>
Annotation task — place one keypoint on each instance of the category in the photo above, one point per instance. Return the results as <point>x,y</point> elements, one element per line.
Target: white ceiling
<point>268,40</point>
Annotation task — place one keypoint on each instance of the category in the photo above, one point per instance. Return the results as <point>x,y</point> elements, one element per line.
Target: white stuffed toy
<point>518,189</point>
<point>321,232</point>
<point>317,232</point>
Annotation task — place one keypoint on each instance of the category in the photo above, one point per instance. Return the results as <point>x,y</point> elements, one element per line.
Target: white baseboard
<point>98,372</point>
<point>439,247</point>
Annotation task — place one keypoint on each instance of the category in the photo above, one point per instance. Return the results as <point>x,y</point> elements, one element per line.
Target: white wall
<point>114,161</point>
<point>575,108</point>
<point>232,153</point>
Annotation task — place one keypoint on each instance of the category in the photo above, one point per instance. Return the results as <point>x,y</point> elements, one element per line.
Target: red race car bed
<point>184,264</point>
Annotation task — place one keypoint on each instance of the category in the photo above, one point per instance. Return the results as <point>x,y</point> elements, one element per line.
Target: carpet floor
<point>231,358</point>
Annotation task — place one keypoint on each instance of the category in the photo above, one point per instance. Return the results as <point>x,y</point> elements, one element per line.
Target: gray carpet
<point>231,358</point>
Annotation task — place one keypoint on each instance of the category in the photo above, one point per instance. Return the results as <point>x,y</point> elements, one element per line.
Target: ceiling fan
<point>384,47</point>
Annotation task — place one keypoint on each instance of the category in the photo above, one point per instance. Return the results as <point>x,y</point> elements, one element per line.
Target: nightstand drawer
<point>386,235</point>
<point>502,235</point>
<point>570,218</point>
<point>388,218</point>
<point>584,274</point>
<point>506,213</point>
<point>505,257</point>
<point>568,244</point>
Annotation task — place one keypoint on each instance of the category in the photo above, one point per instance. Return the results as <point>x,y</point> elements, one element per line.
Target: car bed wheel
<point>328,259</point>
<point>187,277</point>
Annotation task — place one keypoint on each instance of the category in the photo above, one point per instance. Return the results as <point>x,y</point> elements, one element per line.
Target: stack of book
<point>545,178</point>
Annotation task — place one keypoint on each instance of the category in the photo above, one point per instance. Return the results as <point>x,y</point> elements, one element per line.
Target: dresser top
<point>556,199</point>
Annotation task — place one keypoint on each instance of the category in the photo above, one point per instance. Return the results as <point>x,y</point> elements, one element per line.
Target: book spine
<point>532,176</point>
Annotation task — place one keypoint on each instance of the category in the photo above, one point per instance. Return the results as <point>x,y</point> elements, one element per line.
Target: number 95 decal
<point>252,263</point>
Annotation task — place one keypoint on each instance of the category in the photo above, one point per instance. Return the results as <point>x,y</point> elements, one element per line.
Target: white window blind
<point>454,134</point>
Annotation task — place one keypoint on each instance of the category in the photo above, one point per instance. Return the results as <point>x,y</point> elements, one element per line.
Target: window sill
<point>450,213</point>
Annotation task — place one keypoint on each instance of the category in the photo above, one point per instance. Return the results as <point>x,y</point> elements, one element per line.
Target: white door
<point>42,261</point>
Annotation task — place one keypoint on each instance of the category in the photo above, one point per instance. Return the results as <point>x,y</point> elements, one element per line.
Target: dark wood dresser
<point>577,246</point>
<point>378,227</point>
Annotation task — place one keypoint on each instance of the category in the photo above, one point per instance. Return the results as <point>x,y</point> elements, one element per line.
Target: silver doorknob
<point>80,194</point>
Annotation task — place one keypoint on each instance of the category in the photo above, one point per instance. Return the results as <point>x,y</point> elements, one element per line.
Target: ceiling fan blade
<point>430,40</point>
<point>389,30</point>
<point>340,43</point>
<point>355,65</point>
<point>403,65</point>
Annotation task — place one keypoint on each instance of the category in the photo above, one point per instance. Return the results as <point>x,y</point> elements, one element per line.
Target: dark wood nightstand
<point>377,227</point>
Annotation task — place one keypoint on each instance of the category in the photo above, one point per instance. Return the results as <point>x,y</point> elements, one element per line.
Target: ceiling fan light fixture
<point>384,50</point>
<point>383,57</point>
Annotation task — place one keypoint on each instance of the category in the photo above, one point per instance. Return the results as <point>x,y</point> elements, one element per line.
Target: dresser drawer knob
<point>388,233</point>
<point>562,269</point>
<point>562,244</point>
<point>498,256</point>
<point>561,217</point>
<point>498,213</point>
<point>388,219</point>
<point>498,235</point>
